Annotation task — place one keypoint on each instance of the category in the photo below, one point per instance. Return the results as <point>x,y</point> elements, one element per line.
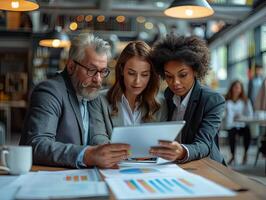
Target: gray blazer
<point>53,125</point>
<point>203,117</point>
<point>102,122</point>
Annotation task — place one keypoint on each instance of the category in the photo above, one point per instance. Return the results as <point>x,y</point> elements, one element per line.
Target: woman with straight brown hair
<point>133,99</point>
<point>237,105</point>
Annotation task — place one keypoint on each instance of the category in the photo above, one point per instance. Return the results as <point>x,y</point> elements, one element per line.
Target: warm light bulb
<point>100,18</point>
<point>120,19</point>
<point>148,25</point>
<point>88,18</point>
<point>56,43</point>
<point>15,4</point>
<point>189,12</point>
<point>73,26</point>
<point>141,19</point>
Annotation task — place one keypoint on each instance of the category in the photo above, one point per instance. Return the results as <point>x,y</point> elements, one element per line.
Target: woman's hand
<point>169,150</point>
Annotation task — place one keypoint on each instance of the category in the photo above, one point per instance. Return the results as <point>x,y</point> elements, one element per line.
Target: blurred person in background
<point>57,122</point>
<point>183,62</point>
<point>255,83</point>
<point>260,102</point>
<point>260,105</point>
<point>133,99</point>
<point>237,105</point>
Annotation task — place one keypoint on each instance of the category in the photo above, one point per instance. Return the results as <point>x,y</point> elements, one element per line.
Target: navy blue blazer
<point>203,117</point>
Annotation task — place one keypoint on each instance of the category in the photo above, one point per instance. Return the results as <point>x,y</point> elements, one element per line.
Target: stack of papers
<point>159,182</point>
<point>132,182</point>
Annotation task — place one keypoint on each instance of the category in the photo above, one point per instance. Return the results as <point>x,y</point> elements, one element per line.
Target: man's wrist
<point>88,158</point>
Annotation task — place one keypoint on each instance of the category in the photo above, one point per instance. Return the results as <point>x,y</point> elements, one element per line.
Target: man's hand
<point>106,155</point>
<point>169,150</point>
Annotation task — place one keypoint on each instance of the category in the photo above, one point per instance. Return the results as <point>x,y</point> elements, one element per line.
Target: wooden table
<point>246,189</point>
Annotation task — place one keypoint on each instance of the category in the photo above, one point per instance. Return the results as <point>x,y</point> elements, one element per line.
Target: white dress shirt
<point>129,117</point>
<point>178,115</point>
<point>237,109</point>
<point>180,108</point>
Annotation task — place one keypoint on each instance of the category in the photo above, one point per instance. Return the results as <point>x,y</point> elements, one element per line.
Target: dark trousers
<point>232,133</point>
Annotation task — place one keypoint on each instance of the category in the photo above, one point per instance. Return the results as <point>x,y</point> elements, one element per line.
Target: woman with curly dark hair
<point>237,105</point>
<point>132,99</point>
<point>183,62</point>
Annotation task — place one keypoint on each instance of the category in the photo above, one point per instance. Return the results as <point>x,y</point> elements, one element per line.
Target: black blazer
<point>203,118</point>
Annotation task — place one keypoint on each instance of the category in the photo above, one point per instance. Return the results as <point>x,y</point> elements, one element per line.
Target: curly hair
<point>141,50</point>
<point>191,51</point>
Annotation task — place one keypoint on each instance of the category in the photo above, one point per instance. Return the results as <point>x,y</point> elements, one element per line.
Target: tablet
<point>143,136</point>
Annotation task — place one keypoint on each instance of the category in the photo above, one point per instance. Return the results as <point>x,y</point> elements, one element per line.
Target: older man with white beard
<point>57,122</point>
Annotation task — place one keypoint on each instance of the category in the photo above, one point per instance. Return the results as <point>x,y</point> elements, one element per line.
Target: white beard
<point>89,96</point>
<point>82,89</point>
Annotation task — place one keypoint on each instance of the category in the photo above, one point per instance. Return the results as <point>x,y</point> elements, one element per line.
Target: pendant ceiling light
<point>55,39</point>
<point>189,9</point>
<point>18,5</point>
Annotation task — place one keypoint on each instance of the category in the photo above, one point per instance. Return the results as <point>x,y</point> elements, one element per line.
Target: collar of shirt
<point>130,117</point>
<point>183,104</point>
<point>125,102</point>
<point>80,98</point>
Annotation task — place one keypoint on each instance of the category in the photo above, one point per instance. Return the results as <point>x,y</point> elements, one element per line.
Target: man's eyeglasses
<point>92,71</point>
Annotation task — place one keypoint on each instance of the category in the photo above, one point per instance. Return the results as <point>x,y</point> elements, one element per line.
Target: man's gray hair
<point>88,40</point>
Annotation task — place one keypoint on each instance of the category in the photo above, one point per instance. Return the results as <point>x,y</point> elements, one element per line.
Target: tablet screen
<point>143,136</point>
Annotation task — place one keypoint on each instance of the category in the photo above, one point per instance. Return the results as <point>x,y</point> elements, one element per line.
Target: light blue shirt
<point>83,106</point>
<point>85,119</point>
<point>79,161</point>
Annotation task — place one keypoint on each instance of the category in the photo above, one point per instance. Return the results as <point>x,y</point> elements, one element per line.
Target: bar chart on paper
<point>165,187</point>
<point>76,178</point>
<point>158,185</point>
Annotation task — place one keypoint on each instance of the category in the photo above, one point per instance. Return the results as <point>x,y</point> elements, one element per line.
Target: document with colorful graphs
<point>161,182</point>
<point>62,184</point>
<point>143,170</point>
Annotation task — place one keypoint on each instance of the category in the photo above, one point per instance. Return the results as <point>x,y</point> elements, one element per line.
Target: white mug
<point>16,159</point>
